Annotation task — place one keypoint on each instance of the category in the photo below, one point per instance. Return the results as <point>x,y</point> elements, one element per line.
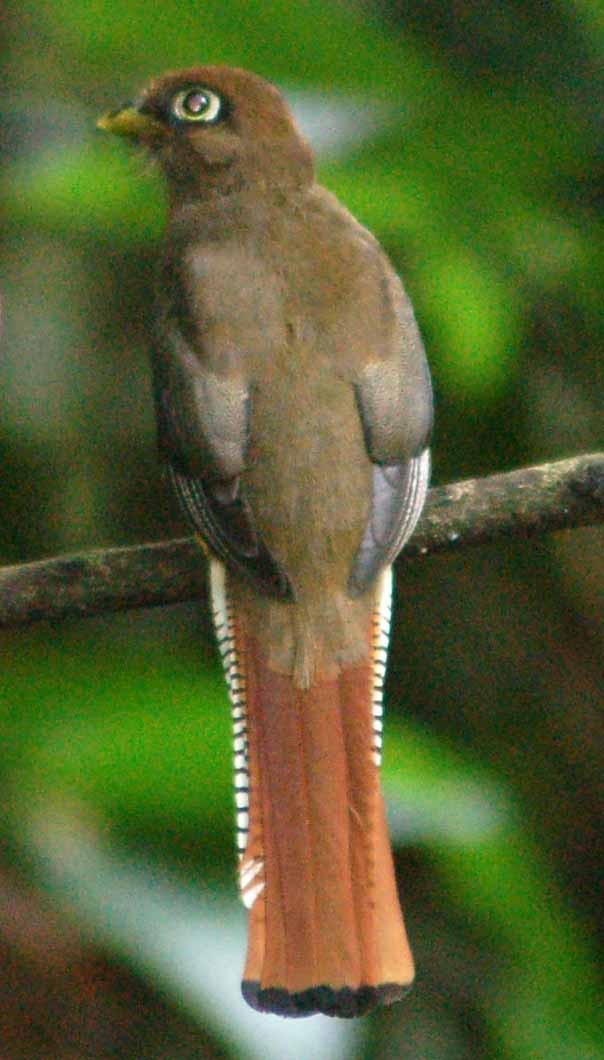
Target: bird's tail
<point>326,932</point>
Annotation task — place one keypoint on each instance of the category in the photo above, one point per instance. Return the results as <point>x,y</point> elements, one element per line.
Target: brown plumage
<point>294,409</point>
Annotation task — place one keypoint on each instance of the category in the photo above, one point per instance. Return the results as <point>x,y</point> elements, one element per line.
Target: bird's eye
<point>197,104</point>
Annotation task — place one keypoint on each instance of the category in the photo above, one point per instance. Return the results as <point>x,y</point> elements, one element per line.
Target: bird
<point>294,412</point>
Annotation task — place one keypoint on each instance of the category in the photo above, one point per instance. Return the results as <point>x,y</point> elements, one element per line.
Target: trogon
<point>294,411</point>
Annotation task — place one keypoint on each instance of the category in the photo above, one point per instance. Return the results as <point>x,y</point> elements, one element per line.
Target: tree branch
<point>519,504</point>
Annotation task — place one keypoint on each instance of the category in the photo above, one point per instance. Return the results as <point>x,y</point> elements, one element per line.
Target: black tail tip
<point>345,1003</point>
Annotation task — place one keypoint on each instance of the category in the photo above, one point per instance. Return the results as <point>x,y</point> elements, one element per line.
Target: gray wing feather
<point>394,397</point>
<point>397,500</point>
<point>203,431</point>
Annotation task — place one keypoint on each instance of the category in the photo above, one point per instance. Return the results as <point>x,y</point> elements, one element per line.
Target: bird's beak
<point>129,121</point>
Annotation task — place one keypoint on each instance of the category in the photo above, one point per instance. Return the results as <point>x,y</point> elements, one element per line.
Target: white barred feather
<point>233,661</point>
<point>380,636</point>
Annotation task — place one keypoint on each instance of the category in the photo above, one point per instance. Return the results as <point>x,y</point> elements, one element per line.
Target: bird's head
<point>215,124</point>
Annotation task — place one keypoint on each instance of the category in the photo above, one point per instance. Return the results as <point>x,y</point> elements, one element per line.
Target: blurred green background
<point>468,136</point>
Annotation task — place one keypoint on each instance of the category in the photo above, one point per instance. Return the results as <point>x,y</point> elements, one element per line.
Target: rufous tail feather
<point>326,932</point>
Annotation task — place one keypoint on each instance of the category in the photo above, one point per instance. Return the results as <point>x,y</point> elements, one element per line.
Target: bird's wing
<point>394,397</point>
<point>203,428</point>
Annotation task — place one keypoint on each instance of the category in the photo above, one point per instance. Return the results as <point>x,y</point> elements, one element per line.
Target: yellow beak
<point>129,121</point>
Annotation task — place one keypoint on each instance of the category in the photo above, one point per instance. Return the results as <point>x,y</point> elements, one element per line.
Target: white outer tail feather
<point>233,662</point>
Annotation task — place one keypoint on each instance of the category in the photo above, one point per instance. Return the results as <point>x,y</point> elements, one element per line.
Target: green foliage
<point>333,46</point>
<point>60,190</point>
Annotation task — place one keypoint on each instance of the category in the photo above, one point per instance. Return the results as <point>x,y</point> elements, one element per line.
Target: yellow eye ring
<point>197,105</point>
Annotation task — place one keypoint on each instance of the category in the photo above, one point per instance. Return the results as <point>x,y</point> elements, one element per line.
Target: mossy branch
<point>519,504</point>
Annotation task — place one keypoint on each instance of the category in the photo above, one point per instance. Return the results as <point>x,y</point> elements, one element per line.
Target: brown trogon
<point>294,409</point>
